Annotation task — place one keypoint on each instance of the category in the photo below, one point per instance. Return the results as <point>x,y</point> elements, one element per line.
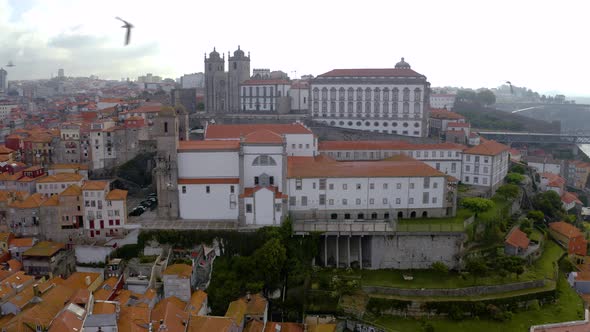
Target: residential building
<point>248,308</point>
<point>554,182</point>
<point>393,100</point>
<point>442,100</point>
<point>169,315</point>
<point>516,243</point>
<point>577,173</point>
<point>485,165</point>
<point>213,323</point>
<point>545,164</point>
<point>177,279</point>
<point>440,119</point>
<point>198,304</point>
<point>105,210</point>
<point>190,81</point>
<point>5,108</point>
<point>68,148</point>
<point>49,259</point>
<point>18,246</point>
<point>55,184</point>
<point>570,237</point>
<point>265,95</point>
<point>81,169</point>
<point>580,281</point>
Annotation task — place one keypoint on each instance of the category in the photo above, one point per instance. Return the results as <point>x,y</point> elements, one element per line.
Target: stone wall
<point>467,291</point>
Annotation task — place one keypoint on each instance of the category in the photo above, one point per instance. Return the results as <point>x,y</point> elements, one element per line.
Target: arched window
<point>316,106</point>
<point>395,94</point>
<point>406,94</point>
<point>359,94</point>
<point>400,215</point>
<point>386,94</point>
<point>376,106</point>
<point>417,94</point>
<point>324,93</point>
<point>333,94</point>
<point>406,107</point>
<point>324,106</point>
<point>350,108</point>
<point>359,108</point>
<point>416,107</point>
<point>368,94</point>
<point>316,94</point>
<point>385,108</point>
<point>350,93</point>
<point>341,107</point>
<point>377,94</point>
<point>341,94</point>
<point>367,107</point>
<point>394,107</point>
<point>264,160</point>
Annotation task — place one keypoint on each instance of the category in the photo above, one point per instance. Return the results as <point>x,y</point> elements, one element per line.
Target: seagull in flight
<point>511,90</point>
<point>127,26</point>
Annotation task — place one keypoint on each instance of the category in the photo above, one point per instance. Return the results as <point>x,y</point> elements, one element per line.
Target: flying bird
<point>511,89</point>
<point>127,26</point>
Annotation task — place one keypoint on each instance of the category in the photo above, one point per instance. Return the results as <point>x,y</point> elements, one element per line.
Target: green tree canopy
<point>535,215</point>
<point>440,267</point>
<point>549,203</point>
<point>508,191</point>
<point>269,260</point>
<point>477,204</point>
<point>514,178</point>
<point>486,97</point>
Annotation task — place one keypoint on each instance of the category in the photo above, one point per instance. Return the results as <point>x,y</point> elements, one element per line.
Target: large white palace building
<point>390,100</point>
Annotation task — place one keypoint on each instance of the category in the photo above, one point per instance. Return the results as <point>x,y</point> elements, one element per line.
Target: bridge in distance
<point>581,137</point>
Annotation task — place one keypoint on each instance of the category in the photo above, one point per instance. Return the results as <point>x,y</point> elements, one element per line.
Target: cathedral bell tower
<point>166,163</point>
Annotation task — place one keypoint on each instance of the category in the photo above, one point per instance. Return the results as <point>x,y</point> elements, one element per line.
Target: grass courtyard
<point>451,224</point>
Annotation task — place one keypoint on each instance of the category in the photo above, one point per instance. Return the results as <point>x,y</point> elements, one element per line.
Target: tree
<point>486,97</point>
<point>440,267</point>
<point>477,204</point>
<point>508,191</point>
<point>536,216</point>
<point>476,266</point>
<point>549,203</point>
<point>201,106</point>
<point>269,260</point>
<point>518,169</point>
<point>467,96</point>
<point>526,226</point>
<point>514,178</point>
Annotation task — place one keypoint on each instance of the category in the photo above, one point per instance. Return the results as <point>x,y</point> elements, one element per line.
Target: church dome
<point>238,52</point>
<point>214,54</point>
<point>402,64</point>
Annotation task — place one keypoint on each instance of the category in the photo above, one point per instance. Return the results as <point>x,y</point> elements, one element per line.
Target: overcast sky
<point>540,44</point>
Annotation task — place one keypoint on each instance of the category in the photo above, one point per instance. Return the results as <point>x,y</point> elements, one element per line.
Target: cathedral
<point>222,88</point>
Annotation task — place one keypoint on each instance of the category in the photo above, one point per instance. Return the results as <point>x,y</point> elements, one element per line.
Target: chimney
<point>278,328</point>
<point>248,297</point>
<point>36,291</point>
<point>88,280</point>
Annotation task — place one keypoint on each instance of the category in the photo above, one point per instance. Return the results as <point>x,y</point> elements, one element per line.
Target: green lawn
<point>495,212</point>
<point>454,224</point>
<point>568,307</point>
<point>542,268</point>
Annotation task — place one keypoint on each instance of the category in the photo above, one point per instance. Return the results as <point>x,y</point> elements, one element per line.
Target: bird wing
<point>128,36</point>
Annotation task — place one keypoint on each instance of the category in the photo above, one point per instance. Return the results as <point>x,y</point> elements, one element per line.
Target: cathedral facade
<point>222,88</point>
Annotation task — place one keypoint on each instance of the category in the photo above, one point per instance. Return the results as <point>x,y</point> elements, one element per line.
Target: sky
<point>539,44</point>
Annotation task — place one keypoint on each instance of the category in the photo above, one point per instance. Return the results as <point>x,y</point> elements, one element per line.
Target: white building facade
<point>442,100</point>
<point>485,165</point>
<point>391,100</point>
<point>263,95</point>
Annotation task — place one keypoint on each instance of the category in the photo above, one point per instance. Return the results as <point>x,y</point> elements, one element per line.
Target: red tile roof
<point>458,124</point>
<point>316,167</point>
<point>215,131</point>
<point>569,198</point>
<point>208,145</point>
<point>249,192</point>
<point>263,137</point>
<point>487,148</point>
<point>565,229</point>
<point>518,238</point>
<point>209,181</point>
<point>376,72</point>
<point>438,113</point>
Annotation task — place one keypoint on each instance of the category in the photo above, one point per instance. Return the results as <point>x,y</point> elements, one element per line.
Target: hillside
<point>492,119</point>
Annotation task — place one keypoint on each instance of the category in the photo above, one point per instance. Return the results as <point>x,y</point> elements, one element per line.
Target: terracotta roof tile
<point>283,327</point>
<point>314,167</point>
<point>62,177</point>
<point>198,298</point>
<point>216,131</point>
<point>249,192</point>
<point>134,319</point>
<point>565,229</point>
<point>208,145</point>
<point>386,145</point>
<point>210,323</point>
<point>487,148</point>
<point>72,190</point>
<point>569,198</point>
<point>5,150</point>
<point>263,137</point>
<point>518,238</point>
<point>438,113</point>
<point>117,195</point>
<point>33,201</point>
<point>22,242</point>
<point>44,249</point>
<point>171,311</point>
<point>182,270</point>
<point>95,185</point>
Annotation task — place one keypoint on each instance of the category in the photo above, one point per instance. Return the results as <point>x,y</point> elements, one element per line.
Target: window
<point>485,159</point>
<point>358,186</point>
<point>435,185</point>
<point>453,167</point>
<point>322,184</point>
<point>476,169</point>
<point>425,197</point>
<point>347,216</point>
<point>165,127</point>
<point>371,201</point>
<point>344,201</point>
<point>360,216</point>
<point>426,182</point>
<point>322,199</point>
<point>303,200</point>
<point>485,169</point>
<point>385,201</point>
<point>398,201</point>
<point>412,185</point>
<point>344,186</point>
<point>358,201</point>
<point>313,185</point>
<point>385,186</point>
<point>292,200</point>
<point>476,159</point>
<point>184,189</point>
<point>208,189</point>
<point>232,189</point>
<point>371,186</point>
<point>411,200</point>
<point>256,180</point>
<point>330,202</point>
<point>468,158</point>
<point>485,180</point>
<point>248,208</point>
<point>467,168</point>
<point>271,180</point>
<point>331,186</point>
<point>434,200</point>
<point>438,166</point>
<point>264,160</point>
<point>298,184</point>
<point>398,186</point>
<point>466,179</point>
<point>475,179</point>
